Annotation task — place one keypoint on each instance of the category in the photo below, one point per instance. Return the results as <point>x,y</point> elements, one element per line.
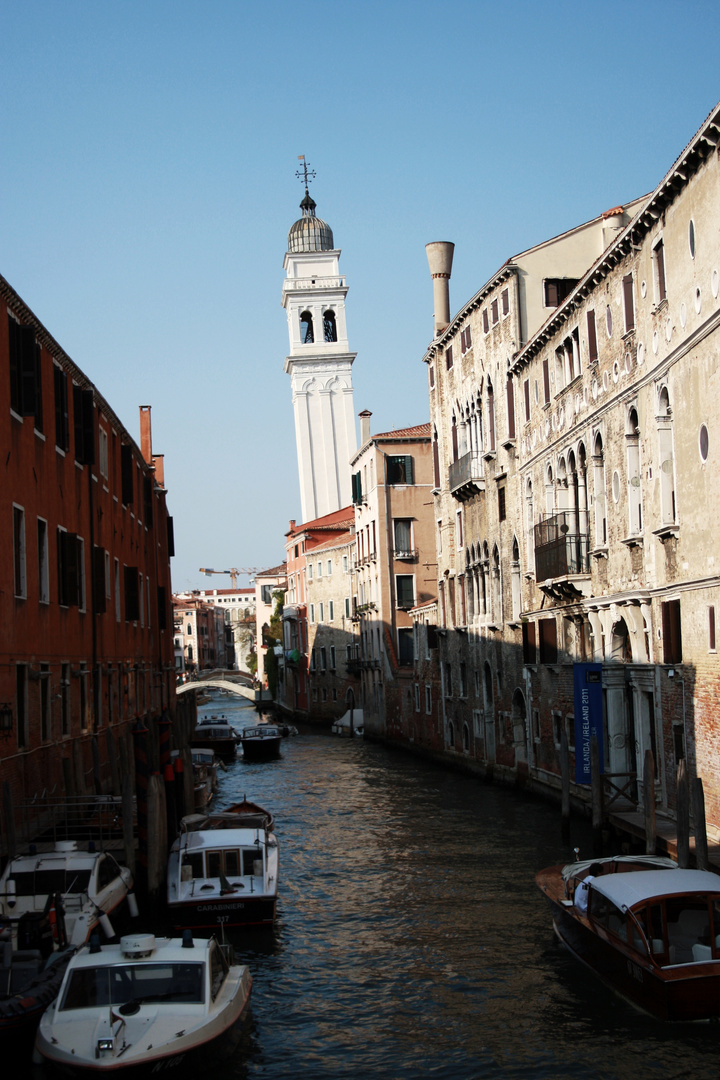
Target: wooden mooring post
<point>565,778</point>
<point>697,798</point>
<point>596,785</point>
<point>683,816</point>
<point>648,795</point>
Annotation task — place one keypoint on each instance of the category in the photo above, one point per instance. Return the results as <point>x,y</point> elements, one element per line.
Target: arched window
<point>600,504</point>
<point>466,737</point>
<point>634,478</point>
<point>329,327</point>
<point>487,688</point>
<point>491,416</point>
<point>515,580</point>
<point>530,525</point>
<point>667,459</point>
<point>307,336</point>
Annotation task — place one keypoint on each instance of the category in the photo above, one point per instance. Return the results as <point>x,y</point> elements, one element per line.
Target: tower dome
<point>310,233</point>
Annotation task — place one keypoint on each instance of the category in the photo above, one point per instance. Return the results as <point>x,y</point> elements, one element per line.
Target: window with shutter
<point>526,388</point>
<point>449,357</point>
<point>548,641</point>
<point>546,380</point>
<point>132,593</point>
<point>62,426</point>
<point>505,297</point>
<point>671,632</point>
<point>486,321</point>
<point>510,408</point>
<point>99,581</point>
<point>629,302</point>
<point>529,648</point>
<point>592,336</point>
<point>400,470</point>
<point>126,474</point>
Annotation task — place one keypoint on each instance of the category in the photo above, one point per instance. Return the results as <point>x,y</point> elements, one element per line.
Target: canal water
<point>411,939</point>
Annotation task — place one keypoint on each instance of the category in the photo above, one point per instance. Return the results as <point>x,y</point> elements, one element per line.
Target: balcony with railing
<point>561,552</point>
<point>466,476</point>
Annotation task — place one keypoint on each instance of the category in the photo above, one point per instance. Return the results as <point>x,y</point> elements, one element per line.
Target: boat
<point>29,981</point>
<point>649,930</point>
<point>343,725</point>
<point>215,733</point>
<point>145,1006</point>
<point>223,871</point>
<point>76,888</point>
<point>261,743</point>
<point>251,814</point>
<point>205,779</point>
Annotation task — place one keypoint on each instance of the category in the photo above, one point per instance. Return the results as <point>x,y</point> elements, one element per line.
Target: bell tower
<point>320,361</point>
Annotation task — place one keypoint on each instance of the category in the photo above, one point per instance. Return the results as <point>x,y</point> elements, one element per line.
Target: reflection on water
<point>411,939</point>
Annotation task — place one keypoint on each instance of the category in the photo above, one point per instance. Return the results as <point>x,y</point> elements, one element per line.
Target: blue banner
<point>588,718</point>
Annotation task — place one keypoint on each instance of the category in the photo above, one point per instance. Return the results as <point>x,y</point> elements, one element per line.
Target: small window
<point>555,290</point>
<point>526,388</point>
<point>432,377</point>
<point>428,700</point>
<point>704,442</point>
<point>465,340</point>
<point>691,238</point>
<point>19,553</point>
<point>505,298</point>
<point>329,567</point>
<point>495,313</point>
<point>546,380</point>
<point>501,504</point>
<point>609,320</point>
<point>43,563</point>
<point>448,357</point>
<point>312,613</point>
<point>711,628</point>
<point>486,321</point>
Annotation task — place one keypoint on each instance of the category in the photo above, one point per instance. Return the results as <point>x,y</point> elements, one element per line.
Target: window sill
<point>667,532</point>
<point>489,455</point>
<point>599,552</point>
<point>509,444</point>
<point>513,624</point>
<point>633,541</point>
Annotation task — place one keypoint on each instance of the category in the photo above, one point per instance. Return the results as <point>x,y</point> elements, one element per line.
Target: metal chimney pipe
<point>440,257</point>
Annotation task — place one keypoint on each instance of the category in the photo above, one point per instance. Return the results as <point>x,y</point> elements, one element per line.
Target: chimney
<point>146,433</point>
<point>440,257</point>
<point>159,463</point>
<point>613,225</point>
<point>365,426</point>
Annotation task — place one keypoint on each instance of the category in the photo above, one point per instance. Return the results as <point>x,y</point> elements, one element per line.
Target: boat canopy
<point>627,890</point>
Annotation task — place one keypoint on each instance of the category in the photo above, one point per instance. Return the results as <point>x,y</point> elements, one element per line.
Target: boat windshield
<point>44,882</point>
<point>89,987</point>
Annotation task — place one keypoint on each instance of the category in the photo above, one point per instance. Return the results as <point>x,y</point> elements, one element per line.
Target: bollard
<point>141,789</point>
<point>170,809</point>
<point>156,837</point>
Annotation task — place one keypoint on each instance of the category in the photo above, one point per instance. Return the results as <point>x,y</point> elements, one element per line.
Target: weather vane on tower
<point>303,173</point>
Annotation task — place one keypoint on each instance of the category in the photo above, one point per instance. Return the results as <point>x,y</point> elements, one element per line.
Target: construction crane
<point>234,573</point>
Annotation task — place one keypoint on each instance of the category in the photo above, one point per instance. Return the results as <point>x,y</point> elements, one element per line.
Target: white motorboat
<point>223,872</point>
<point>145,1006</point>
<point>78,888</point>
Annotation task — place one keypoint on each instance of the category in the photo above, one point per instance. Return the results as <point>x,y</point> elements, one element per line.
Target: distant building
<point>199,630</point>
<point>396,570</point>
<point>270,588</point>
<point>238,607</point>
<point>86,636</point>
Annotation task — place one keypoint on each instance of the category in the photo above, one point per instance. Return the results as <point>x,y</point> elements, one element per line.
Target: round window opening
<point>608,321</point>
<point>616,486</point>
<point>704,442</point>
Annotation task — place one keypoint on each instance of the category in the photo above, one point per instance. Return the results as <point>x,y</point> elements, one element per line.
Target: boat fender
<point>52,919</point>
<point>106,924</point>
<point>11,893</point>
<point>133,905</point>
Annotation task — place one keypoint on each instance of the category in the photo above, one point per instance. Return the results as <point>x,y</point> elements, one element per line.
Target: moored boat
<point>251,815</point>
<point>648,929</point>
<point>91,885</point>
<point>145,1006</point>
<point>217,734</point>
<point>29,981</point>
<point>261,743</point>
<point>223,871</point>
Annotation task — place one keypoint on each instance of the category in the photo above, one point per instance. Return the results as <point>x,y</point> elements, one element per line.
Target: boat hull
<point>210,914</point>
<point>223,748</point>
<point>261,749</point>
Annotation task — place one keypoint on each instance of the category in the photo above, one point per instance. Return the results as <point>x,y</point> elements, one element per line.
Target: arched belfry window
<point>307,336</point>
<point>329,326</point>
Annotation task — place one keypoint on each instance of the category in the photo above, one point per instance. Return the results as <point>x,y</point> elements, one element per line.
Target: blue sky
<point>148,184</point>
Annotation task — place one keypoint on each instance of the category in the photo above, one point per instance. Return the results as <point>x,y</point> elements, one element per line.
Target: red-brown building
<point>86,634</point>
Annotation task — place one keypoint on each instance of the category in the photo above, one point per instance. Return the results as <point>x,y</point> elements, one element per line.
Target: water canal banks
<point>411,940</point>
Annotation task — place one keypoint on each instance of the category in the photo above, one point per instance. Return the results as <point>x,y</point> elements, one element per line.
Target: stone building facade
<point>571,410</point>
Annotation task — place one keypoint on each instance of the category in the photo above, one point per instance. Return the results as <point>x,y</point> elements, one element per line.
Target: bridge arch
<point>218,684</point>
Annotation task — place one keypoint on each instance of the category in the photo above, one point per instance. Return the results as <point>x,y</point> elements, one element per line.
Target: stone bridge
<point>217,684</point>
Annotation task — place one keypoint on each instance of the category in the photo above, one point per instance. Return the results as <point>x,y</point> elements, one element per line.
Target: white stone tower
<point>319,363</point>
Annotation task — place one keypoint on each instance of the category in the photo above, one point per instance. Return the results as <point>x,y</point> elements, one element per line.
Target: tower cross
<point>304,173</point>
